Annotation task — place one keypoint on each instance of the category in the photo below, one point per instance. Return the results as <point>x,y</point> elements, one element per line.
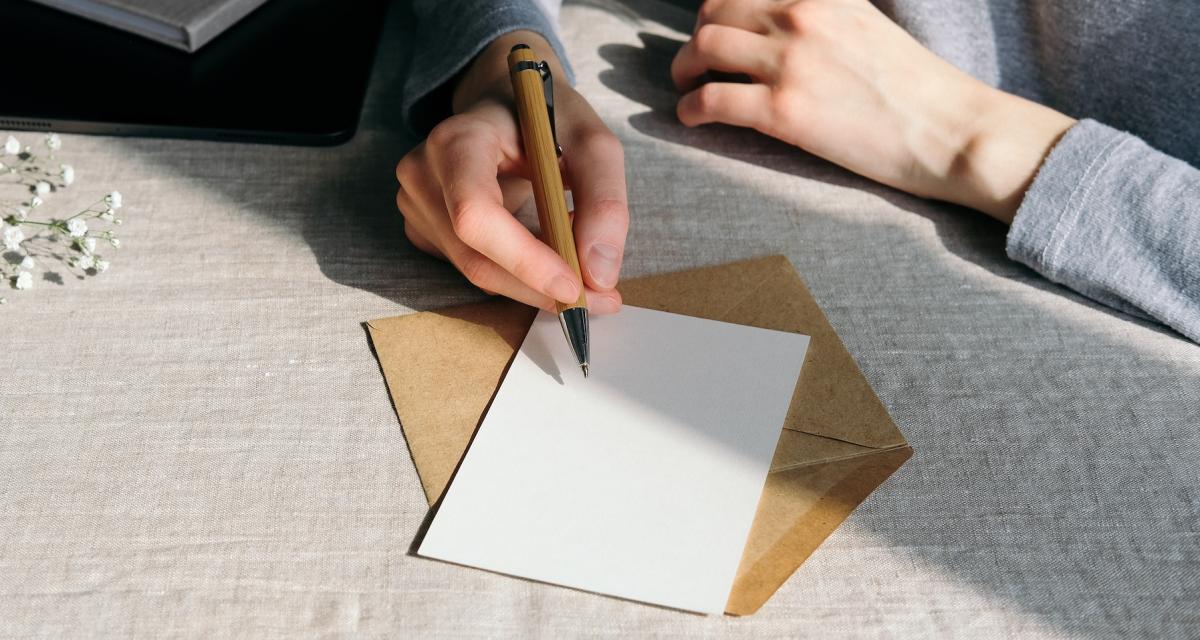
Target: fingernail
<point>603,264</point>
<point>605,305</point>
<point>561,288</point>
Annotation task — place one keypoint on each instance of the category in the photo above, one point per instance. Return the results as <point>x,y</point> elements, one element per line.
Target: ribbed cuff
<point>1053,206</point>
<point>1056,206</point>
<point>1117,221</point>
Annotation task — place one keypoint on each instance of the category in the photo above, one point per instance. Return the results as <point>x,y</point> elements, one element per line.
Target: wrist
<point>1001,150</point>
<point>487,76</point>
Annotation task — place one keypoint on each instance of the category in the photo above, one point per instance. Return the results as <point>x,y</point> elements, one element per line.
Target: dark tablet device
<point>292,72</point>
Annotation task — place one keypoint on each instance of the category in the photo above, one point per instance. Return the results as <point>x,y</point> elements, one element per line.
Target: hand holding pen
<point>458,190</point>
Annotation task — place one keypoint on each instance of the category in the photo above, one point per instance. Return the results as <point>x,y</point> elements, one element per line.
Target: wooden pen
<point>534,90</point>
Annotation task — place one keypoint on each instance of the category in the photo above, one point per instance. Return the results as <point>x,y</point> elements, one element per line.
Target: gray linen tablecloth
<point>199,442</point>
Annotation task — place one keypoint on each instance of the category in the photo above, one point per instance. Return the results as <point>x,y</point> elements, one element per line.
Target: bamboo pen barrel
<point>542,157</point>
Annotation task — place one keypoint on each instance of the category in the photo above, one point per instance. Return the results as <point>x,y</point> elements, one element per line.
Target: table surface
<point>200,441</point>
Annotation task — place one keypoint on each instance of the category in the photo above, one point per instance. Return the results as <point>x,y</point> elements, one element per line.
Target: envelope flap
<point>442,369</point>
<point>832,398</point>
<point>798,449</point>
<point>799,508</point>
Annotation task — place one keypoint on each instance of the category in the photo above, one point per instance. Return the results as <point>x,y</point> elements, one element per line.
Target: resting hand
<point>842,81</point>
<point>458,190</point>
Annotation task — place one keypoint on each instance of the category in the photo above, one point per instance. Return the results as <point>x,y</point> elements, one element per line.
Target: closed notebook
<point>183,24</point>
<point>835,447</point>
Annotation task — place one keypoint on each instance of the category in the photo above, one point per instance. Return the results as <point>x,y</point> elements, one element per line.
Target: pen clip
<point>548,89</point>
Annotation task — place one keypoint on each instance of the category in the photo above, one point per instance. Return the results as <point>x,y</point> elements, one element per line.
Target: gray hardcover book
<point>184,24</point>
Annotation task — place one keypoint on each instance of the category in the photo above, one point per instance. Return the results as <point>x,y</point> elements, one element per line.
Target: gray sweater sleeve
<point>449,35</point>
<point>1117,221</point>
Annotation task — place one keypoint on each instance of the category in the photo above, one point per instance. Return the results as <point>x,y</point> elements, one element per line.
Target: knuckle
<point>708,98</point>
<point>475,268</point>
<point>467,221</point>
<point>780,104</point>
<point>708,11</point>
<point>790,60</point>
<point>410,232</point>
<point>799,16</point>
<point>406,170</point>
<point>707,37</point>
<point>446,133</point>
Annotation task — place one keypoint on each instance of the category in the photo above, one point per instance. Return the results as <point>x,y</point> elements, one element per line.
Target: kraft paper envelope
<point>837,445</point>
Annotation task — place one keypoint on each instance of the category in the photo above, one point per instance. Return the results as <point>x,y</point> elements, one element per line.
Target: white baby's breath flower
<point>101,265</point>
<point>85,261</point>
<point>12,146</point>
<point>68,174</point>
<point>54,142</point>
<point>13,237</point>
<point>42,187</point>
<point>76,227</point>
<point>89,244</point>
<point>115,242</point>
<point>35,202</point>
<point>108,215</point>
<point>114,199</point>
<point>24,280</point>
<point>28,263</point>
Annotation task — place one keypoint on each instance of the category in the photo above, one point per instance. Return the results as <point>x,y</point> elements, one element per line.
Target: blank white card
<point>640,481</point>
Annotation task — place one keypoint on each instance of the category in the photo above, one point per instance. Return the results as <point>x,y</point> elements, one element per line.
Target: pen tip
<point>585,369</point>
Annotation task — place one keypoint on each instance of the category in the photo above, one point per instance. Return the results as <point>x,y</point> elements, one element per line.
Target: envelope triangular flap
<point>798,510</point>
<point>442,369</point>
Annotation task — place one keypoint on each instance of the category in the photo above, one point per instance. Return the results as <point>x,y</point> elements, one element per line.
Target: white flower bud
<point>113,199</point>
<point>107,216</point>
<point>76,227</point>
<point>85,262</point>
<point>101,265</point>
<point>89,244</point>
<point>13,237</point>
<point>42,187</point>
<point>24,280</point>
<point>28,263</point>
<point>68,174</point>
<point>115,242</point>
<point>35,202</point>
<point>12,146</point>
<point>54,142</point>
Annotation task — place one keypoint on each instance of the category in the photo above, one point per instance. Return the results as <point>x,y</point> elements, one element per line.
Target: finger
<point>475,205</point>
<point>596,163</point>
<point>750,15</point>
<point>493,279</point>
<point>419,240</point>
<point>603,303</point>
<point>741,105</point>
<point>720,48</point>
